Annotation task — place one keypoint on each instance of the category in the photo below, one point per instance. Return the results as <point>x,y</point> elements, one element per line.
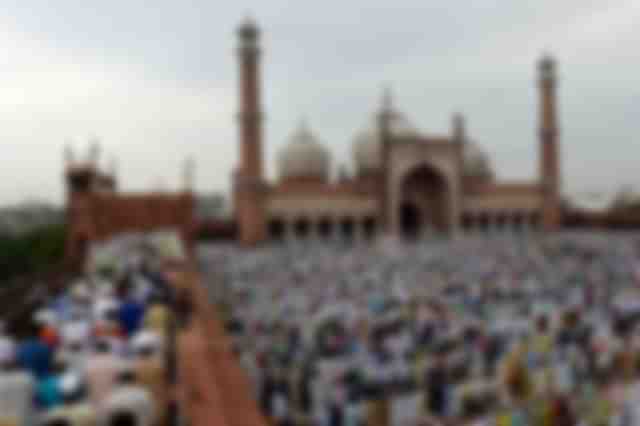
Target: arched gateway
<point>424,207</point>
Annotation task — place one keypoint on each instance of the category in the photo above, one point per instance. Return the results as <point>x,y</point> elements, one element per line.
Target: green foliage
<point>35,251</point>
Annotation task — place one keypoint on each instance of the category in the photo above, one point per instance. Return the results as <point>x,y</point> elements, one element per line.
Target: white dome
<point>304,156</point>
<point>476,161</point>
<point>366,146</point>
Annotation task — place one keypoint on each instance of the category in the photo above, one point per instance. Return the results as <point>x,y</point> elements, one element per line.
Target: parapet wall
<point>214,390</point>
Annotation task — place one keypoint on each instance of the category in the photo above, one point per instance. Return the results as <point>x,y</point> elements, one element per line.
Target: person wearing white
<point>17,389</point>
<point>7,346</point>
<point>129,397</point>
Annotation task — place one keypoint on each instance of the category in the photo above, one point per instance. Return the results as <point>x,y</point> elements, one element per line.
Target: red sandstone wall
<point>98,216</point>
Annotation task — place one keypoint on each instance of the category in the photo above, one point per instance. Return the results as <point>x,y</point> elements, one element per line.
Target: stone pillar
<point>385,117</point>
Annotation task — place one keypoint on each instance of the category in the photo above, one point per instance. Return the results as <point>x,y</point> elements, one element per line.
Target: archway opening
<point>534,221</point>
<point>517,222</point>
<point>410,220</point>
<point>276,229</point>
<point>347,228</point>
<point>325,228</point>
<point>369,227</point>
<point>424,203</point>
<point>302,228</point>
<point>483,222</point>
<point>467,222</point>
<point>501,222</point>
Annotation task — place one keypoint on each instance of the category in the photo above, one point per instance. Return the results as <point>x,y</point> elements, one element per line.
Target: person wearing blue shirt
<point>35,356</point>
<point>130,316</point>
<point>48,392</point>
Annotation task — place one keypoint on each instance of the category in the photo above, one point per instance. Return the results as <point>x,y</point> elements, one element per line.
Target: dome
<point>366,146</point>
<point>476,162</point>
<point>304,156</point>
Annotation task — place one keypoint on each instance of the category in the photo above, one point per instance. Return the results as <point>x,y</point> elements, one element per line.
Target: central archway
<point>424,203</point>
<point>410,220</point>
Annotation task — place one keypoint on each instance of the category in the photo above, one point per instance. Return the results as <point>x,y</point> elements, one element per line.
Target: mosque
<point>406,183</point>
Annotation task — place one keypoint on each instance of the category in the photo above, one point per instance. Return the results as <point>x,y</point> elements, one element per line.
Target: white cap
<point>146,340</point>
<point>80,291</point>
<point>70,383</point>
<point>7,351</point>
<point>45,317</point>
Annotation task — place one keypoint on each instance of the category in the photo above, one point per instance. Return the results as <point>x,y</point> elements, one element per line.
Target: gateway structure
<point>406,182</point>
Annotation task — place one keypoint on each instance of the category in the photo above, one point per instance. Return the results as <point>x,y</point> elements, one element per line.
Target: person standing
<point>437,381</point>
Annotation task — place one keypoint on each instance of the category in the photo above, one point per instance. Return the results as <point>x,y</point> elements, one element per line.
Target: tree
<point>35,251</point>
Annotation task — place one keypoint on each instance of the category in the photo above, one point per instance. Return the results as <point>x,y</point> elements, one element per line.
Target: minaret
<point>549,151</point>
<point>459,139</point>
<point>385,116</point>
<point>459,136</point>
<point>188,174</point>
<point>250,182</point>
<point>93,158</point>
<point>458,128</point>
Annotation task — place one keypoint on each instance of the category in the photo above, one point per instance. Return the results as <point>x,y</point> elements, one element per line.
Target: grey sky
<point>156,82</point>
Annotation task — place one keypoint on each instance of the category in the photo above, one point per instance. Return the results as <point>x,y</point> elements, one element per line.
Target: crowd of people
<point>99,351</point>
<point>510,330</point>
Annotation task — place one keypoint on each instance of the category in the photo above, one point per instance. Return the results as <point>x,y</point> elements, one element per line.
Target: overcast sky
<point>156,82</point>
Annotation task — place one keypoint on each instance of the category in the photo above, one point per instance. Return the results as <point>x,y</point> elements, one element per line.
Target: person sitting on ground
<point>48,390</point>
<point>102,370</point>
<point>75,410</point>
<point>151,375</point>
<point>16,392</point>
<point>132,398</point>
<point>34,355</point>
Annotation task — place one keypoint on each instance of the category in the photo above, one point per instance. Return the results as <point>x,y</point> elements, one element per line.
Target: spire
<point>94,151</point>
<point>248,30</point>
<point>343,174</point>
<point>160,185</point>
<point>69,158</point>
<point>113,166</point>
<point>387,98</point>
<point>459,127</point>
<point>303,133</point>
<point>547,68</point>
<point>188,173</point>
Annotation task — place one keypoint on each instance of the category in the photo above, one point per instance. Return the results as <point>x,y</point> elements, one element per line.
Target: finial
<point>94,151</point>
<point>188,173</point>
<point>248,29</point>
<point>343,173</point>
<point>160,185</point>
<point>387,98</point>
<point>303,126</point>
<point>303,133</point>
<point>113,166</point>
<point>68,154</point>
<point>547,65</point>
<point>458,126</point>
